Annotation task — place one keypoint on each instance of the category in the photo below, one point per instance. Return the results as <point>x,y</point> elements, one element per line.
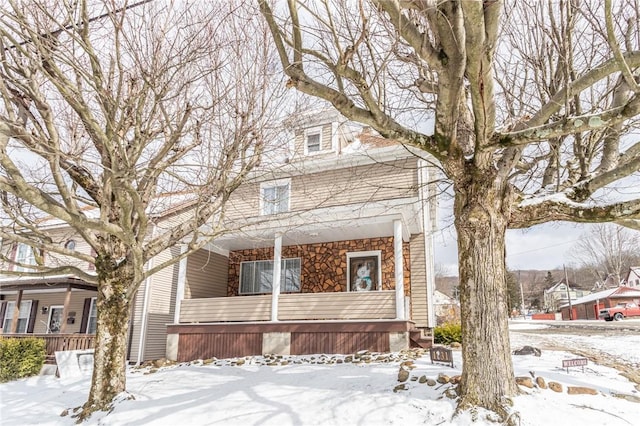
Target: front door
<point>55,319</point>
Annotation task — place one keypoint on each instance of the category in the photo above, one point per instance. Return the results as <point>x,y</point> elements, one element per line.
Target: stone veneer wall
<point>324,265</point>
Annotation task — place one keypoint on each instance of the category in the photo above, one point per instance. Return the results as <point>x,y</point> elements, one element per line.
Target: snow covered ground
<point>308,391</point>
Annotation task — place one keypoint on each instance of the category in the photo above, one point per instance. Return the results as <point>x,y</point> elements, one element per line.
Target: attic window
<point>313,140</point>
<point>70,245</point>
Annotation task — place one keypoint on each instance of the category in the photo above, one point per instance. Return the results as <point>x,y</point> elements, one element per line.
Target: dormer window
<point>313,140</point>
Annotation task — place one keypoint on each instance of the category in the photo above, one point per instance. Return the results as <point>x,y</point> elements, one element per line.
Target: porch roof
<point>348,222</point>
<point>13,284</point>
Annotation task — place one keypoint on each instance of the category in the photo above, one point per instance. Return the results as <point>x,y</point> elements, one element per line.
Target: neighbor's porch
<point>58,342</point>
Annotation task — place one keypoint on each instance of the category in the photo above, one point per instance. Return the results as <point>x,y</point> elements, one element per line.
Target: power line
<point>70,26</point>
<point>544,248</point>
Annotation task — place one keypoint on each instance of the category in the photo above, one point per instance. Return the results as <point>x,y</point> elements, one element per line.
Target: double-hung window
<point>275,197</point>
<point>312,140</point>
<point>24,256</point>
<point>257,276</point>
<point>23,317</point>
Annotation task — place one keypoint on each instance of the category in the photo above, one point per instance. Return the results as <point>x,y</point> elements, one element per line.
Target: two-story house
<point>344,227</point>
<point>560,294</point>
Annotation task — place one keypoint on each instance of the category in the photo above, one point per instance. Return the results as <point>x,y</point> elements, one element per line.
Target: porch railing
<point>291,307</point>
<point>59,342</point>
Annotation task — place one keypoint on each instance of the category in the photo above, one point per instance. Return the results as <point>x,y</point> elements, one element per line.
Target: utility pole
<point>566,280</point>
<point>521,294</point>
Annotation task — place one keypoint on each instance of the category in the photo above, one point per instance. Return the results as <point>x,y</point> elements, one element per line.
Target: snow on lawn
<point>309,393</point>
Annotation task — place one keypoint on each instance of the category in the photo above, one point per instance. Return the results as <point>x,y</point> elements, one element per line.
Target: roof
<point>605,294</point>
<point>39,283</point>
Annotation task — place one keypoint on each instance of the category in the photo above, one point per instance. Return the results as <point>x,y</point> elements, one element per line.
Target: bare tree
<point>607,251</point>
<point>104,122</point>
<point>527,105</point>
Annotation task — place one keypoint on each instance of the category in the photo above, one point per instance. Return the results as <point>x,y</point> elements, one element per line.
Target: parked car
<point>620,311</point>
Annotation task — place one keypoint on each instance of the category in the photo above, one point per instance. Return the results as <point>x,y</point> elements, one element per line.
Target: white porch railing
<point>291,307</point>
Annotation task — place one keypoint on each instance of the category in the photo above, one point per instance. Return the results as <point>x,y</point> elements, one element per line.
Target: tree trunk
<point>481,224</point>
<point>109,369</point>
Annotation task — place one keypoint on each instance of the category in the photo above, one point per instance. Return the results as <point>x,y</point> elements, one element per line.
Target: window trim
<point>274,184</point>
<point>29,260</point>
<point>6,315</point>
<point>310,132</point>
<point>359,254</point>
<point>282,276</point>
<point>90,314</point>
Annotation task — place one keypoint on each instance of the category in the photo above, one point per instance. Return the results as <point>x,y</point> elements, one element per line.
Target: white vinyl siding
<point>257,276</point>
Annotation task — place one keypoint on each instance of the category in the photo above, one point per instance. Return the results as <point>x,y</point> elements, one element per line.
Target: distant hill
<point>534,282</point>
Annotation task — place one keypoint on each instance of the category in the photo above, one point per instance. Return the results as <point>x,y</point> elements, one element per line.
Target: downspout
<point>145,305</point>
<point>423,182</point>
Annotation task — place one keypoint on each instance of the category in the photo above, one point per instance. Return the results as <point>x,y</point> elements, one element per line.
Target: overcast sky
<point>542,247</point>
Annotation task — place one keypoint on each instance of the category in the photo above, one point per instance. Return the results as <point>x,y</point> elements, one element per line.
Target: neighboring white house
<point>633,277</point>
<point>560,294</point>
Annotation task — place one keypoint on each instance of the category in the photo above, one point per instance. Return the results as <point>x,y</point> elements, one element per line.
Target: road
<point>583,327</point>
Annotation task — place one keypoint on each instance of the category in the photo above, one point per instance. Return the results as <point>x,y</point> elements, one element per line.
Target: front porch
<point>306,323</point>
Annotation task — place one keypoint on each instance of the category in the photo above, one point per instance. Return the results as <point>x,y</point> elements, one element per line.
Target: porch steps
<point>420,338</point>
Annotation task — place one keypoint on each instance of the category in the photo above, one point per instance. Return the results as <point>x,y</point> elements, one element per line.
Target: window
<point>70,245</point>
<point>257,276</point>
<point>275,197</point>
<point>93,317</point>
<point>23,317</point>
<point>363,269</point>
<point>313,142</point>
<point>25,256</point>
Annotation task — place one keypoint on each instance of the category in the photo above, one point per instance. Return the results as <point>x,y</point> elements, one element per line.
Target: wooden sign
<point>577,362</point>
<point>441,354</point>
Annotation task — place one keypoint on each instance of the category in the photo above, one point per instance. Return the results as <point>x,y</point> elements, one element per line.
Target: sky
<point>308,390</point>
<point>542,247</point>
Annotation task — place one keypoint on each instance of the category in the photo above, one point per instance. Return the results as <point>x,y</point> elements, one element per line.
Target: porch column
<point>399,268</point>
<point>182,279</point>
<point>275,287</point>
<point>65,310</point>
<point>16,313</point>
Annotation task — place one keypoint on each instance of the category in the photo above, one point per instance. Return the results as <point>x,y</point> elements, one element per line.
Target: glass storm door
<point>55,319</point>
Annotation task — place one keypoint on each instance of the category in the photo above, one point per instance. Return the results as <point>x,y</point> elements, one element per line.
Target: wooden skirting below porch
<point>201,341</point>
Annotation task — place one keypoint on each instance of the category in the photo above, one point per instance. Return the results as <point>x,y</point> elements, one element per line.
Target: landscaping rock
<point>400,387</point>
<point>422,379</point>
<point>451,393</point>
<point>631,398</point>
<point>431,382</point>
<point>541,383</point>
<point>555,386</point>
<point>581,390</point>
<point>403,375</point>
<point>525,381</point>
<point>443,378</point>
<point>455,379</point>
<point>528,350</point>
